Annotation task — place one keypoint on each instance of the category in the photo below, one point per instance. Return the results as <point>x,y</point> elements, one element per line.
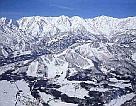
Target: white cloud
<point>61,7</point>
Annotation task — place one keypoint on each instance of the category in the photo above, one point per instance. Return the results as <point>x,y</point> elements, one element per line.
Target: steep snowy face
<point>99,25</point>
<point>44,25</point>
<point>13,24</point>
<point>110,26</point>
<point>48,66</point>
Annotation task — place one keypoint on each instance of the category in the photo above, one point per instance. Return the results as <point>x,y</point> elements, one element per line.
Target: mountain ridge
<point>98,25</point>
<point>68,61</point>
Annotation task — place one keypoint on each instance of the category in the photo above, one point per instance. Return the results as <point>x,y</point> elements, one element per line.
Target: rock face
<point>58,61</point>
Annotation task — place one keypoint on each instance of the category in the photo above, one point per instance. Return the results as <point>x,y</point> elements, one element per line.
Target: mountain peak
<point>99,25</point>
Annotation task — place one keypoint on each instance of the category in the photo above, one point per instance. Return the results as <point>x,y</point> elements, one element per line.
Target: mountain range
<point>58,61</point>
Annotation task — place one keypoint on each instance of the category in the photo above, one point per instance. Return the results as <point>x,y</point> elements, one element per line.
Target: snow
<point>58,103</point>
<point>87,51</point>
<point>119,101</point>
<point>113,80</point>
<point>46,97</point>
<point>53,69</point>
<point>73,90</point>
<point>99,89</point>
<point>6,67</point>
<point>104,70</point>
<point>52,66</point>
<point>118,81</point>
<point>9,90</point>
<point>134,56</point>
<point>25,52</point>
<point>16,53</point>
<point>90,82</point>
<point>4,53</point>
<point>121,85</point>
<point>63,53</point>
<point>53,102</point>
<point>32,69</point>
<point>103,25</point>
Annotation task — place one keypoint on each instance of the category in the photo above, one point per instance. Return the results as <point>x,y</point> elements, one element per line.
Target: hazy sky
<point>84,8</point>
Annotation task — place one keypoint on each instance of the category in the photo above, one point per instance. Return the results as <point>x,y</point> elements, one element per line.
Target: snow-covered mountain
<point>68,61</point>
<point>99,25</point>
